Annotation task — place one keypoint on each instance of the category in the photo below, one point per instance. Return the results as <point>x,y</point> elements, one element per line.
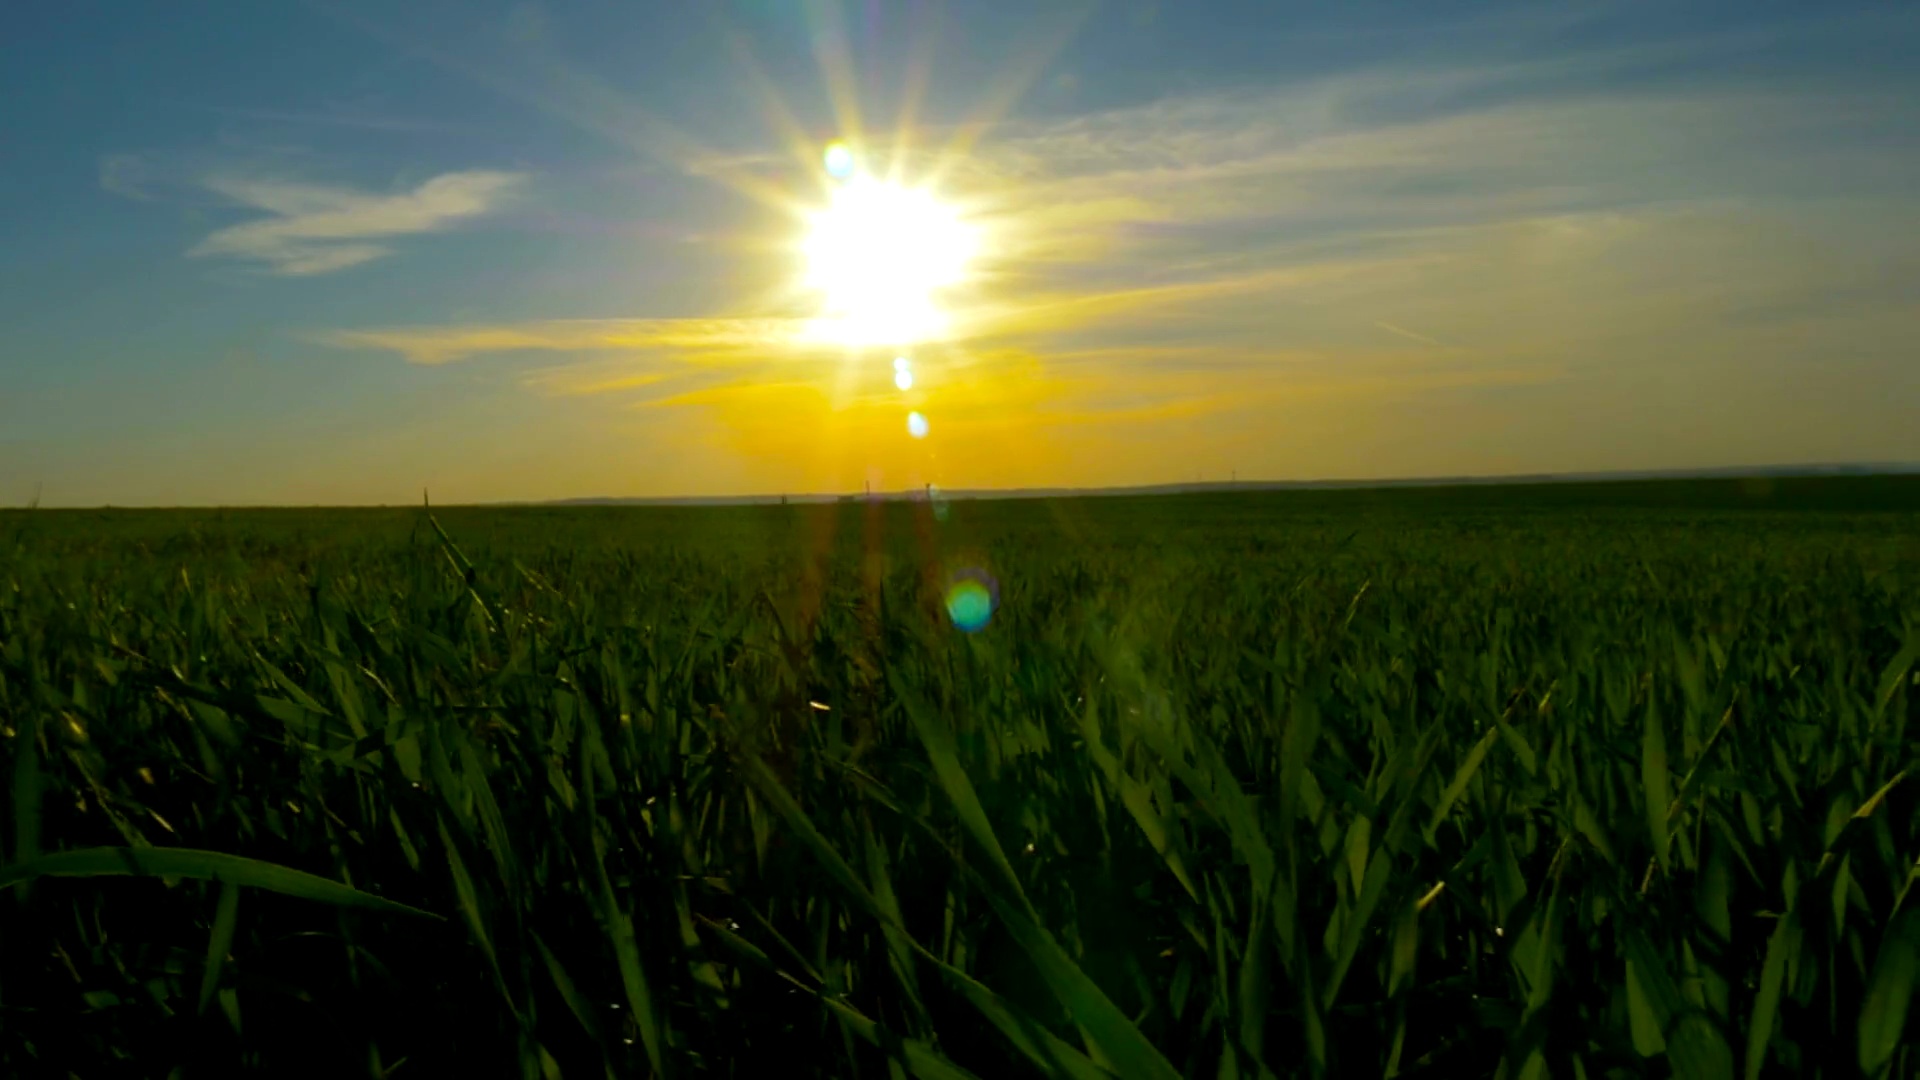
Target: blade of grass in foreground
<point>1135,1055</point>
<point>469,898</point>
<point>1461,779</point>
<point>26,797</point>
<point>919,1058</point>
<point>618,924</point>
<point>226,917</point>
<point>201,865</point>
<point>938,741</point>
<point>562,982</point>
<point>1654,779</point>
<point>1883,1016</point>
<point>1042,1047</point>
<point>1781,948</point>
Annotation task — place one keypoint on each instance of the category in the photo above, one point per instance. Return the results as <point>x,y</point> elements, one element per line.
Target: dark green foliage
<point>1415,785</point>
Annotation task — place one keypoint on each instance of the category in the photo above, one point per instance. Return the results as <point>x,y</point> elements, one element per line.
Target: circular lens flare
<point>839,160</point>
<point>916,425</point>
<point>971,597</point>
<point>903,379</point>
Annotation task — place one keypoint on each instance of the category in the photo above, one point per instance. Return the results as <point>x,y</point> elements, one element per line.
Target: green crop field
<point>1608,780</point>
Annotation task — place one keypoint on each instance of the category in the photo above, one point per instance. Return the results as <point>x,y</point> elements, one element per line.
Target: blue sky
<point>284,253</point>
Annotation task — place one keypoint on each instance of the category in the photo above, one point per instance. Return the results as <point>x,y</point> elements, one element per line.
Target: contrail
<point>1406,333</point>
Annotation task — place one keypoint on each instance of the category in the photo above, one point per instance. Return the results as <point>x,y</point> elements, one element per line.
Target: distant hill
<point>1729,473</point>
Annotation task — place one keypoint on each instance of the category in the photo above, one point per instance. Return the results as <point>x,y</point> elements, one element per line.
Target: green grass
<point>1571,782</point>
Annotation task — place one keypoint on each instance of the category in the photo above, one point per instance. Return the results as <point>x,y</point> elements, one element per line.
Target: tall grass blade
<point>226,917</point>
<point>1655,783</point>
<point>1782,947</point>
<point>203,866</point>
<point>26,798</point>
<point>1883,1015</point>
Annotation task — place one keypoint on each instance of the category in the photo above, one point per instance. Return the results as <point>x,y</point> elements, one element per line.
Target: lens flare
<point>839,160</point>
<point>903,379</point>
<point>971,597</point>
<point>901,363</point>
<point>916,425</point>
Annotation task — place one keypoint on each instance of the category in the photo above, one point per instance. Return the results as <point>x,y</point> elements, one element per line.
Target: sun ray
<point>773,110</point>
<point>919,72</point>
<point>833,51</point>
<point>548,84</point>
<point>1009,87</point>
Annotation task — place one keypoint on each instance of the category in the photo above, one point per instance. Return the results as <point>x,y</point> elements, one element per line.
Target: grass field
<point>1571,781</point>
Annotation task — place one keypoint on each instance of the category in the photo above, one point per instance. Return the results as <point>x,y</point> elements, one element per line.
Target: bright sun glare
<point>880,254</point>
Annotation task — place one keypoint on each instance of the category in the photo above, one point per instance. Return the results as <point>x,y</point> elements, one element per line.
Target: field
<point>1574,781</point>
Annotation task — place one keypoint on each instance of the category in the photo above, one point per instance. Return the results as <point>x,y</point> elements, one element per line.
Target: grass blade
<point>938,740</point>
<point>1883,1015</point>
<point>1654,780</point>
<point>202,866</point>
<point>220,942</point>
<point>576,1004</point>
<point>920,1059</point>
<point>1133,1055</point>
<point>1040,1046</point>
<point>1461,779</point>
<point>1782,946</point>
<point>26,798</point>
<point>1091,1009</point>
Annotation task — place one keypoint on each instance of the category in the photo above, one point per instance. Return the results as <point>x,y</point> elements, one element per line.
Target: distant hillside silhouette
<point>1763,472</point>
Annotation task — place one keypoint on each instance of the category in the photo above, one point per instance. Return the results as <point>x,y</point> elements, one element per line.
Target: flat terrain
<point>1569,780</point>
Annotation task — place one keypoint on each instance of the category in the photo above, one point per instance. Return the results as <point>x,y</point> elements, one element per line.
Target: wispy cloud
<point>446,344</point>
<point>316,229</point>
<point>347,118</point>
<point>1199,177</point>
<point>1410,335</point>
<point>1301,276</point>
<point>125,175</point>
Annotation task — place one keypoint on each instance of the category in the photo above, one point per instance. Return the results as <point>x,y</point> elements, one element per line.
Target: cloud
<point>578,380</point>
<point>1470,269</point>
<point>446,344</point>
<point>1196,178</point>
<point>125,175</point>
<point>1411,335</point>
<point>346,117</point>
<point>315,229</point>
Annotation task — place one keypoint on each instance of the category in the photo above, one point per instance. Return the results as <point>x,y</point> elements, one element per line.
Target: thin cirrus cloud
<point>432,345</point>
<point>316,229</point>
<point>127,176</point>
<point>1252,256</point>
<point>1273,196</point>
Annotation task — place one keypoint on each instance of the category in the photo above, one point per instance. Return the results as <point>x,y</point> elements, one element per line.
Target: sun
<point>880,254</point>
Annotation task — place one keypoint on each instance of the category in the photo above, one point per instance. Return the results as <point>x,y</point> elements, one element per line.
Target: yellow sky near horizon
<point>1277,367</point>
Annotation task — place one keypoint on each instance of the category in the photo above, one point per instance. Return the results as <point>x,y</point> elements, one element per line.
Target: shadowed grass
<point>1235,787</point>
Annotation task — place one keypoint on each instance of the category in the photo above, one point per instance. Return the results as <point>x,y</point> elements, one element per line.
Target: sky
<point>341,252</point>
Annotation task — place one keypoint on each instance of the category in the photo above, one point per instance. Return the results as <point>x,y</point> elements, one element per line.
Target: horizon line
<point>1731,472</point>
